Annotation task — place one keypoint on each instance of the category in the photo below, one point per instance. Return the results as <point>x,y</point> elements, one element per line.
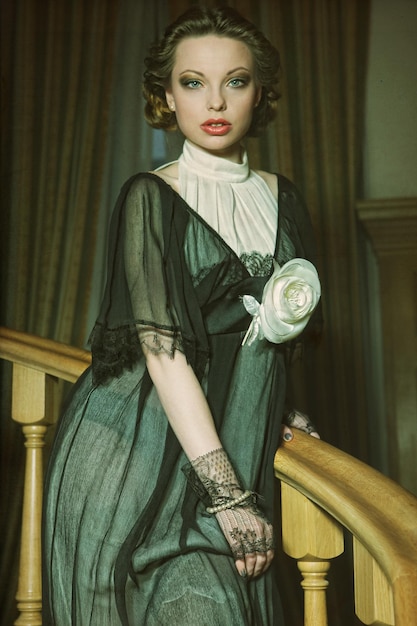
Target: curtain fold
<point>59,79</point>
<point>57,60</point>
<point>324,46</point>
<point>130,140</point>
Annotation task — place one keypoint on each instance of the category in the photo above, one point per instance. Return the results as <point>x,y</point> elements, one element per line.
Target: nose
<point>216,101</point>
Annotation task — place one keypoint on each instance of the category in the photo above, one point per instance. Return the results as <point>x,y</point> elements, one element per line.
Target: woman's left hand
<point>296,419</point>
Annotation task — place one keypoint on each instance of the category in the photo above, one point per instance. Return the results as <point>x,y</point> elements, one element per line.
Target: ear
<point>170,99</point>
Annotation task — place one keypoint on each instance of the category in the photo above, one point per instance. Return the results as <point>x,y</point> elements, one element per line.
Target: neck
<point>232,153</point>
<point>210,164</point>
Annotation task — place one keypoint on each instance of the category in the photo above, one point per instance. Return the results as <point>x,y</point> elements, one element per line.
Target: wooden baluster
<point>32,406</point>
<point>312,537</point>
<point>373,595</point>
<point>314,584</point>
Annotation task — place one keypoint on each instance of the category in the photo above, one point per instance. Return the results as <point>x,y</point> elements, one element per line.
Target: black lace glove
<point>245,528</point>
<point>247,531</point>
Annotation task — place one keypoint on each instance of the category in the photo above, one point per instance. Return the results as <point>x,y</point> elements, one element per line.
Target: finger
<point>286,433</point>
<point>250,563</point>
<point>241,568</point>
<point>269,558</point>
<point>260,564</point>
<point>263,562</point>
<point>254,564</point>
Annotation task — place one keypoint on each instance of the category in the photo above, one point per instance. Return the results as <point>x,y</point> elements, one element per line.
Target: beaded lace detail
<point>257,264</point>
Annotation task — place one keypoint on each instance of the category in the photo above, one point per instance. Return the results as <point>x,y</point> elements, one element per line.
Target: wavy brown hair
<point>197,22</point>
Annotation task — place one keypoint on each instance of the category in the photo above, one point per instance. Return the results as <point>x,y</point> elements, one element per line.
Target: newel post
<point>32,407</point>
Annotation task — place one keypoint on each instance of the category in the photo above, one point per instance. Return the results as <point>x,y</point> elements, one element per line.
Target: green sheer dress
<point>126,541</point>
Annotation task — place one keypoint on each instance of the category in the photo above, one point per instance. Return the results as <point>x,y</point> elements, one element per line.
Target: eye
<point>192,83</point>
<point>238,82</point>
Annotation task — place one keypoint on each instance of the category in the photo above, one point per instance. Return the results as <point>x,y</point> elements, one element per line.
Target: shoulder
<point>279,184</point>
<point>143,182</point>
<point>270,179</point>
<point>290,195</point>
<point>293,205</point>
<point>145,188</point>
<point>286,186</point>
<point>169,174</point>
<point>148,197</point>
<point>143,196</point>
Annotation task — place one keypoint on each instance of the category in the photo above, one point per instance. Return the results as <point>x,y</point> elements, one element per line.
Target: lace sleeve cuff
<point>114,350</point>
<point>156,341</point>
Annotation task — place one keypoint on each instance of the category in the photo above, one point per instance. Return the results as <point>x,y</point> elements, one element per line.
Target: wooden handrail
<point>381,515</point>
<point>48,356</point>
<point>323,490</point>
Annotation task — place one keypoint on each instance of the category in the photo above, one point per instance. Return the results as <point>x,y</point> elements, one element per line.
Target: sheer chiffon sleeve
<point>149,295</point>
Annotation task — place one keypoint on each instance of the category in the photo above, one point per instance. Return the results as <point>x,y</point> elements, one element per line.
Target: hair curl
<point>197,22</point>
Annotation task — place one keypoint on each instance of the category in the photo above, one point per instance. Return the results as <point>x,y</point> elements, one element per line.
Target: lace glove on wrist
<point>214,480</point>
<point>245,528</point>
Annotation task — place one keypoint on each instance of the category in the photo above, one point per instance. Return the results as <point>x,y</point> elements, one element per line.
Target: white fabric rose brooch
<point>288,301</point>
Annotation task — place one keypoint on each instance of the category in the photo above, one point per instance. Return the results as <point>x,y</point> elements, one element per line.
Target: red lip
<point>216,126</point>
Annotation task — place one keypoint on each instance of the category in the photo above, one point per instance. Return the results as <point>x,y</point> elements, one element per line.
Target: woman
<point>160,484</point>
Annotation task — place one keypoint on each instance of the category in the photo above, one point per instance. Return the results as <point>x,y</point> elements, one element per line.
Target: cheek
<point>186,117</point>
<point>246,113</point>
<point>250,104</point>
<point>184,106</point>
<point>183,113</point>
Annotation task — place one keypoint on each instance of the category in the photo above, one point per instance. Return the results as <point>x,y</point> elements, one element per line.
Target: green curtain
<point>318,143</point>
<point>57,62</point>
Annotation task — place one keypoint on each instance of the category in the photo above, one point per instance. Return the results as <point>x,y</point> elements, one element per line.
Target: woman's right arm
<point>184,402</point>
<point>190,417</point>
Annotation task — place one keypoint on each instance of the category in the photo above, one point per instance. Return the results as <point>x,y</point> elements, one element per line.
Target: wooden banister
<point>381,516</point>
<point>323,491</point>
<point>37,365</point>
<point>46,355</point>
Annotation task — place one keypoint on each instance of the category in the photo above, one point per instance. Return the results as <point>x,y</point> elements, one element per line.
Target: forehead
<point>212,51</point>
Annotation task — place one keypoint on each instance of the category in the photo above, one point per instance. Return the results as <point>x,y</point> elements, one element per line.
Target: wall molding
<point>391,224</point>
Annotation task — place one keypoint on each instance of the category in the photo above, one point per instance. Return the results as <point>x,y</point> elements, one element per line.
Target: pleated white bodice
<point>234,200</point>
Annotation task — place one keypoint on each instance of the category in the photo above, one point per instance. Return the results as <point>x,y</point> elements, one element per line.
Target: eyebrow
<point>236,69</point>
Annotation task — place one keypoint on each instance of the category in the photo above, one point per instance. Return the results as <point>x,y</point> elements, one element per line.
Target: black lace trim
<point>168,345</point>
<point>234,273</point>
<point>256,263</point>
<point>248,542</point>
<point>117,349</point>
<point>196,485</point>
<point>201,274</point>
<point>113,350</point>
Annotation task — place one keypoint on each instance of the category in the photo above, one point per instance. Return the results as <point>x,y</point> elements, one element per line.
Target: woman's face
<point>213,91</point>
